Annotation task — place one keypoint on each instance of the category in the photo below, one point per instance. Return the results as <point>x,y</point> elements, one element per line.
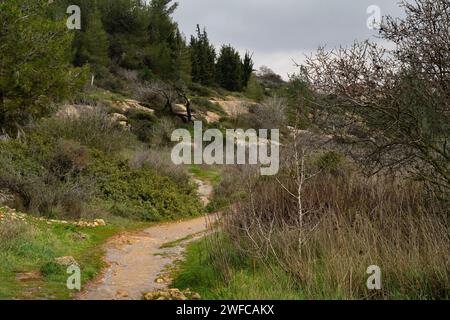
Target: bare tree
<point>171,95</point>
<point>394,104</point>
<point>148,92</point>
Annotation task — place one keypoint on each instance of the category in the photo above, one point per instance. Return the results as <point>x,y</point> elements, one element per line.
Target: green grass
<point>176,243</point>
<point>99,95</point>
<point>204,105</point>
<point>209,174</point>
<point>33,247</point>
<point>245,282</point>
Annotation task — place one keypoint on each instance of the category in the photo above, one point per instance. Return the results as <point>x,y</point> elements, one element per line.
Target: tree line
<point>136,35</point>
<point>42,61</point>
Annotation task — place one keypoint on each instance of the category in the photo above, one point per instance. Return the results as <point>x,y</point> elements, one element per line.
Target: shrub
<point>141,193</point>
<point>160,161</point>
<point>47,194</point>
<point>232,186</point>
<point>271,114</point>
<point>69,159</point>
<point>254,89</point>
<point>142,124</point>
<point>93,128</point>
<point>162,132</point>
<point>330,162</point>
<point>46,182</point>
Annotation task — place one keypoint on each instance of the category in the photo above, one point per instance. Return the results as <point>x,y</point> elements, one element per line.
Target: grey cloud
<point>283,29</point>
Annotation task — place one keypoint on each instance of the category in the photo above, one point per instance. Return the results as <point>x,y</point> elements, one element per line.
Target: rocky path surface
<point>137,262</point>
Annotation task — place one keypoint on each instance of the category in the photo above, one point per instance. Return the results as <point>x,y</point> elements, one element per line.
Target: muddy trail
<point>138,261</point>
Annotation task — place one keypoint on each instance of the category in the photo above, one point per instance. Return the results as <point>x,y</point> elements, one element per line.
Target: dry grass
<point>350,223</point>
<point>160,161</point>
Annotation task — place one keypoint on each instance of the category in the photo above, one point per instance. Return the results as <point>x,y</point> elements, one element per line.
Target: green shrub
<point>141,193</point>
<point>52,268</point>
<point>331,162</point>
<point>93,128</point>
<point>142,124</point>
<point>45,179</point>
<point>69,159</point>
<point>65,166</point>
<point>160,161</point>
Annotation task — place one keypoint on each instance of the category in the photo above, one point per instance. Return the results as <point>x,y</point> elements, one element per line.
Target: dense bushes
<point>71,166</point>
<point>46,183</point>
<point>141,193</point>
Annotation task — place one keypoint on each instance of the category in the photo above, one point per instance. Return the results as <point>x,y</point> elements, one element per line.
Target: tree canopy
<point>35,67</point>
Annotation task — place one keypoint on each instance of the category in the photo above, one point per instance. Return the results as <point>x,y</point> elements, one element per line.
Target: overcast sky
<point>277,31</point>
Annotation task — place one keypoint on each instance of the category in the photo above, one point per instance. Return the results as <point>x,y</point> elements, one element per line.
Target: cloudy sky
<point>277,31</point>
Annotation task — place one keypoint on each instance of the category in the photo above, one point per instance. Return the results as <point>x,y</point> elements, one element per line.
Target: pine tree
<point>35,68</point>
<point>229,72</point>
<point>247,69</point>
<point>127,24</point>
<point>91,43</point>
<point>203,56</point>
<point>183,59</point>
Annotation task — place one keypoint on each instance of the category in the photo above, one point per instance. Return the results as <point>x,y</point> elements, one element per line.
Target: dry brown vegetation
<point>348,223</point>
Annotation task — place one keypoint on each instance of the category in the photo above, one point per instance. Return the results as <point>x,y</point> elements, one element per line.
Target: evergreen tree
<point>229,72</point>
<point>247,69</point>
<point>167,47</point>
<point>127,24</point>
<point>203,56</point>
<point>35,68</point>
<point>183,59</point>
<point>91,43</point>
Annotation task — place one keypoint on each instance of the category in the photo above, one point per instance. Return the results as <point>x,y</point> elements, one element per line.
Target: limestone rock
<point>66,261</point>
<point>172,294</point>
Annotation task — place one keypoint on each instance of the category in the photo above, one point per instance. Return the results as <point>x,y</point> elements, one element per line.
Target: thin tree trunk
<point>189,110</point>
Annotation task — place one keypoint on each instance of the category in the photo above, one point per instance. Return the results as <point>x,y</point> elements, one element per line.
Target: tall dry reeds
<point>348,223</point>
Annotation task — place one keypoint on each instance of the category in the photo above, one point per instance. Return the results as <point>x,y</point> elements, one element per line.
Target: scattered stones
<point>66,261</point>
<point>165,278</point>
<point>8,214</point>
<point>172,294</point>
<point>90,224</point>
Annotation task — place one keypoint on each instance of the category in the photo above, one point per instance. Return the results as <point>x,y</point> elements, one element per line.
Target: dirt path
<point>205,191</point>
<point>137,261</point>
